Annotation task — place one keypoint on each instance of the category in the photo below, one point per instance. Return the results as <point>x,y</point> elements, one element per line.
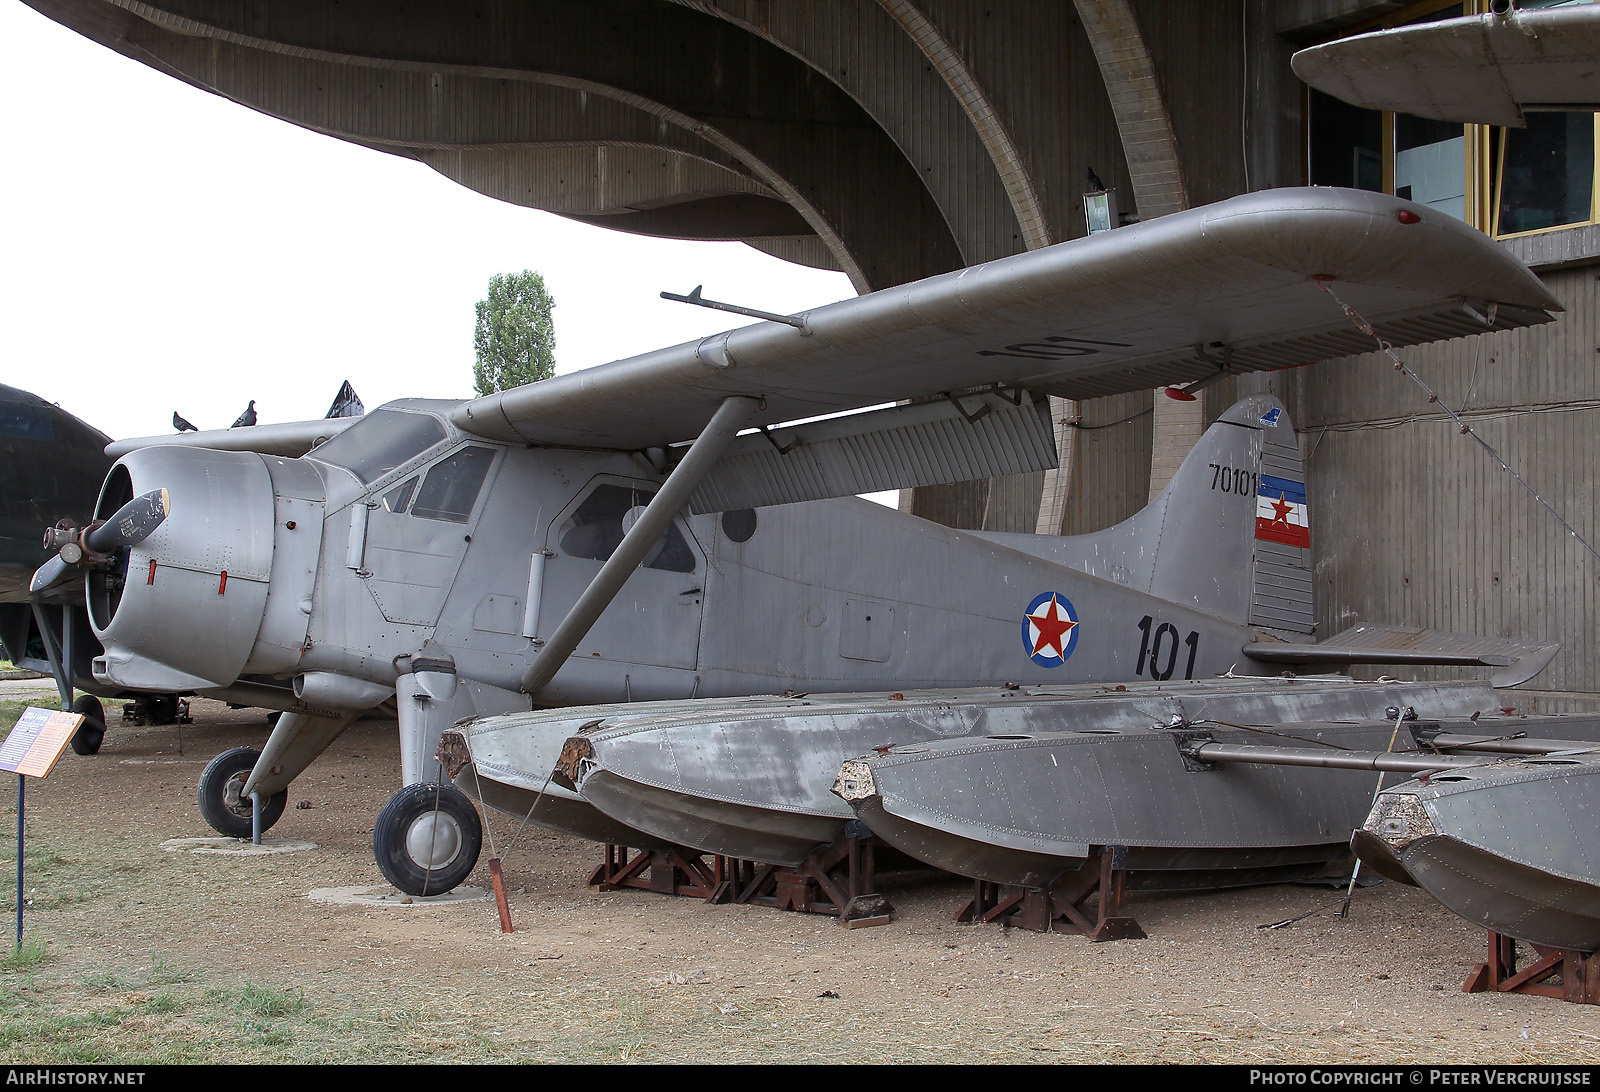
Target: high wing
<point>1232,286</point>
<point>1481,68</point>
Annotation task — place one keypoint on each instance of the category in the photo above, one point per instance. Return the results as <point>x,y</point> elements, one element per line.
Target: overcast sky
<point>164,249</point>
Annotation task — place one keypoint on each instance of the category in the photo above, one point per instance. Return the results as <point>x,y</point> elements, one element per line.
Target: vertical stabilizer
<point>1229,534</point>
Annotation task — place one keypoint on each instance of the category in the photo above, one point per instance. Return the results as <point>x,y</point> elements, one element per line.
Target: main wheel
<point>221,802</point>
<point>427,838</point>
<point>86,740</point>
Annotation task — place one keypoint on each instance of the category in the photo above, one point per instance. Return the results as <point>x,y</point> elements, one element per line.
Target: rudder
<point>1229,534</point>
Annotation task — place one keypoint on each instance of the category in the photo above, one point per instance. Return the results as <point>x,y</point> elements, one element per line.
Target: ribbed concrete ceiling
<point>890,139</point>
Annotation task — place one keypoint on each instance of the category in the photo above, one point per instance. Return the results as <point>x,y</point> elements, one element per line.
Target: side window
<point>596,526</point>
<point>451,487</point>
<point>395,499</point>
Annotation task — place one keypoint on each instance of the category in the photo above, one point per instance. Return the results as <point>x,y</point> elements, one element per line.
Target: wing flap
<point>1232,285</point>
<point>931,443</point>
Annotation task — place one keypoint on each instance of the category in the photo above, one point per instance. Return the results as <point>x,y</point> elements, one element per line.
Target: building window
<point>1544,174</point>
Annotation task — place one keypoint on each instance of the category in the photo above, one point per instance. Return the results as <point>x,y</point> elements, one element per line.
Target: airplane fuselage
<point>482,547</point>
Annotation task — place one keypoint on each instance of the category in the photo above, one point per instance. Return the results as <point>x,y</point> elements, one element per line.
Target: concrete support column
<point>1159,185</point>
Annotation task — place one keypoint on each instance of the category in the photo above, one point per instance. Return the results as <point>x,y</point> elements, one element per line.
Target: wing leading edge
<point>1228,286</point>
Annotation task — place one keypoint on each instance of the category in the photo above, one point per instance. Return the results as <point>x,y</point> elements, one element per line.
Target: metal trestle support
<point>1062,907</point>
<point>673,871</point>
<point>1557,972</point>
<point>835,879</point>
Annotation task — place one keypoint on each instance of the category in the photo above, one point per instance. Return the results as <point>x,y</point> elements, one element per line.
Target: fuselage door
<point>655,619</point>
<point>417,533</point>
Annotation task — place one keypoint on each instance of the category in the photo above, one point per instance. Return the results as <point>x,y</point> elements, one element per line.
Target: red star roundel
<point>1049,629</point>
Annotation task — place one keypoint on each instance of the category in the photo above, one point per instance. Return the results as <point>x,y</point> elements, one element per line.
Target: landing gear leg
<point>222,800</point>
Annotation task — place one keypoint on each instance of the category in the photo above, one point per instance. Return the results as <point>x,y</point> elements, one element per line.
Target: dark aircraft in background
<point>54,466</point>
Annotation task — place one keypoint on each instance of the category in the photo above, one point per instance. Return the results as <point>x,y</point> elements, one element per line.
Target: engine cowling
<point>193,606</point>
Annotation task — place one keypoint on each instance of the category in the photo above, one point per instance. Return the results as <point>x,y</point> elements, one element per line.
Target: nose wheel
<point>221,800</point>
<point>427,838</point>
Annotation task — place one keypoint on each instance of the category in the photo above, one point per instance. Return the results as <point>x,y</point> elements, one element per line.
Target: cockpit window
<point>395,499</point>
<point>379,442</point>
<point>451,487</point>
<point>595,530</point>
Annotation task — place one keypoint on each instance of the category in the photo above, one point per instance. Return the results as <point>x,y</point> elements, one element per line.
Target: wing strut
<point>725,424</point>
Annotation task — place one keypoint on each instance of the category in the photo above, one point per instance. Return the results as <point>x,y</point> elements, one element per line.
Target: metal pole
<point>20,780</point>
<point>685,477</point>
<point>255,818</point>
<point>1334,760</point>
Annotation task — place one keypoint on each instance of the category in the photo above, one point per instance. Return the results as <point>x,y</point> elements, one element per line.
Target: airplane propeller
<point>129,525</point>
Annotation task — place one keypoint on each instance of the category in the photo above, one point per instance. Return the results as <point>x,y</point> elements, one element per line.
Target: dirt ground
<point>151,955</point>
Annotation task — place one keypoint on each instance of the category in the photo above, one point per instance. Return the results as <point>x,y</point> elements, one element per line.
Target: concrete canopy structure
<point>891,140</point>
<point>896,139</point>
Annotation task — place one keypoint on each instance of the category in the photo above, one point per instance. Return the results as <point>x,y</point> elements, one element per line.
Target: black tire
<point>427,839</point>
<point>87,739</point>
<point>224,809</point>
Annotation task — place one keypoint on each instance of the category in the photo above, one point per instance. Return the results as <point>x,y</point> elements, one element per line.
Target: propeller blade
<point>48,575</point>
<point>132,523</point>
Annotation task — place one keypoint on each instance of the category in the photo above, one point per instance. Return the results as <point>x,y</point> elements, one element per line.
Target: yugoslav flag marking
<point>1281,514</point>
<point>1049,629</point>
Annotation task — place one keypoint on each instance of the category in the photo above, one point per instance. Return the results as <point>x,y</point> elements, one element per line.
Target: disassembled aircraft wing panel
<point>1288,783</point>
<point>754,779</point>
<point>1508,846</point>
<point>1481,68</point>
<point>1229,287</point>
<point>289,439</point>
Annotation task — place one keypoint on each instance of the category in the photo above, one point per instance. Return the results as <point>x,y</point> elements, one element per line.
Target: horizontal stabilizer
<point>291,439</point>
<point>931,443</point>
<point>1518,660</point>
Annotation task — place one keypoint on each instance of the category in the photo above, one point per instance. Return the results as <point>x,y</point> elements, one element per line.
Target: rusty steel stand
<point>836,879</point>
<point>1061,906</point>
<point>672,871</point>
<point>1557,972</point>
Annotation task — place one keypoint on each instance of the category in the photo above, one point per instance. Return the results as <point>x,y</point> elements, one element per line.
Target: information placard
<point>37,741</point>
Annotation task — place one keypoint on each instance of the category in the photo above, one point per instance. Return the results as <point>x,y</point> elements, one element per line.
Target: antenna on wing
<point>699,301</point>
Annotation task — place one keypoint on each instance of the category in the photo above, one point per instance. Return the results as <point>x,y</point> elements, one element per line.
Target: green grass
<point>25,956</point>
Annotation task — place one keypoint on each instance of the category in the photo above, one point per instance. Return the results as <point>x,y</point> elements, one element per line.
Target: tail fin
<point>1228,535</point>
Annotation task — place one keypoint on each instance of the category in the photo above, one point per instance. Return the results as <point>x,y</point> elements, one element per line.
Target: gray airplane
<point>680,526</point>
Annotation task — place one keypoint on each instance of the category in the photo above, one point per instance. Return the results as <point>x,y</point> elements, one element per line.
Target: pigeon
<point>247,418</point>
<point>181,424</point>
<point>1095,185</point>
